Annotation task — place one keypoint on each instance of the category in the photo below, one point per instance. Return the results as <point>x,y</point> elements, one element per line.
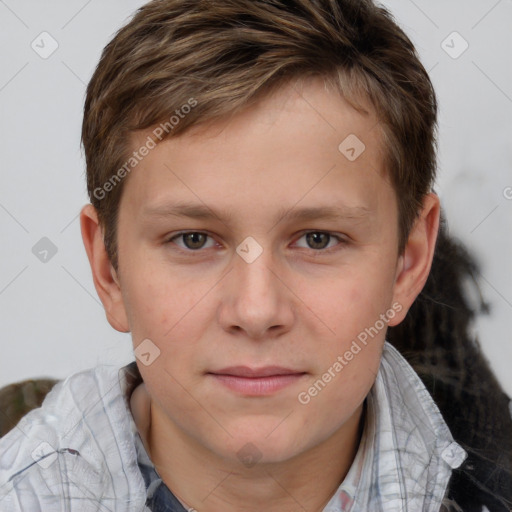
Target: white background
<point>52,322</point>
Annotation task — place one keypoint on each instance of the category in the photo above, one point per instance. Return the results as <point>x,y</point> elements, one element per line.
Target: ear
<point>414,264</point>
<point>104,276</point>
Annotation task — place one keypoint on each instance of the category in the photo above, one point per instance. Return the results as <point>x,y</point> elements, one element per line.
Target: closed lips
<point>254,373</point>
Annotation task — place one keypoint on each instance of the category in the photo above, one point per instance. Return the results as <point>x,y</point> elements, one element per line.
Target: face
<point>290,261</point>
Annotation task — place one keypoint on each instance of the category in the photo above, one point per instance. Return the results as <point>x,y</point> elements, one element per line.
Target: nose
<point>257,300</point>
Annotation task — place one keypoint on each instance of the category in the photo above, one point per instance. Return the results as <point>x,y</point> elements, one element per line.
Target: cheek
<point>172,399</point>
<point>173,320</point>
<point>155,301</point>
<point>145,308</point>
<point>356,304</point>
<point>347,374</point>
<point>355,313</point>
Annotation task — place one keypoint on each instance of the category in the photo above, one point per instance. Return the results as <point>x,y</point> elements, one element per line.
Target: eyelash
<point>342,242</point>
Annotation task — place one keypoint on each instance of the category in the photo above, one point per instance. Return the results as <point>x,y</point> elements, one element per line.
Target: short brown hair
<point>226,54</point>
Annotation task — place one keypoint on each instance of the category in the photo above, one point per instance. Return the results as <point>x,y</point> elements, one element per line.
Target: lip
<point>265,371</point>
<point>257,381</point>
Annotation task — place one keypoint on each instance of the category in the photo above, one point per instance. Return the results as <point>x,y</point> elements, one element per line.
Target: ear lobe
<point>414,265</point>
<point>104,276</point>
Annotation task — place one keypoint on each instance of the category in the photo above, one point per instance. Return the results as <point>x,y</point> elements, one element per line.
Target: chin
<point>255,442</point>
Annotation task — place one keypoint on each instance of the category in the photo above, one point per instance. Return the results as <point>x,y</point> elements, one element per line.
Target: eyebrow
<point>202,212</point>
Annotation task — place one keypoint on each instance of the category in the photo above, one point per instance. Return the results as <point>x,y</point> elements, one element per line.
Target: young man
<point>260,174</point>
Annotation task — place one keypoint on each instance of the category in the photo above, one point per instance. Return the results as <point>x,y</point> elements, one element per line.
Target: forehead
<point>302,143</point>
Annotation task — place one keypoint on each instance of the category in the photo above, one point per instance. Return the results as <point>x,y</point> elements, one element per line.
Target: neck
<point>208,483</point>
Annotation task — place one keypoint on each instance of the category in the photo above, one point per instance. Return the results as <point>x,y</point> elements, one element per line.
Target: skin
<point>297,305</point>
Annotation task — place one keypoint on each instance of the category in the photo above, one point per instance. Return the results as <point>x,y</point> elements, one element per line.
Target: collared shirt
<point>81,450</point>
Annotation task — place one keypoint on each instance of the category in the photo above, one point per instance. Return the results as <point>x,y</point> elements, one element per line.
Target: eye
<point>192,240</point>
<point>319,240</point>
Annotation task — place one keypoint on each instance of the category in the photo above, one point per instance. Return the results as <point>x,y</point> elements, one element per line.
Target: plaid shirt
<point>81,450</point>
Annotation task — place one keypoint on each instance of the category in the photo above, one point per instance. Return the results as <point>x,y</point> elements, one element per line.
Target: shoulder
<point>481,427</point>
<point>76,447</point>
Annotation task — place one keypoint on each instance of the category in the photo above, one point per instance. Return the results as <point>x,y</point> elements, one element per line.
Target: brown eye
<point>194,240</point>
<point>322,242</point>
<point>191,241</point>
<point>318,240</point>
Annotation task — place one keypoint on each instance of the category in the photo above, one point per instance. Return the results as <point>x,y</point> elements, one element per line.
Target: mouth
<point>256,381</point>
